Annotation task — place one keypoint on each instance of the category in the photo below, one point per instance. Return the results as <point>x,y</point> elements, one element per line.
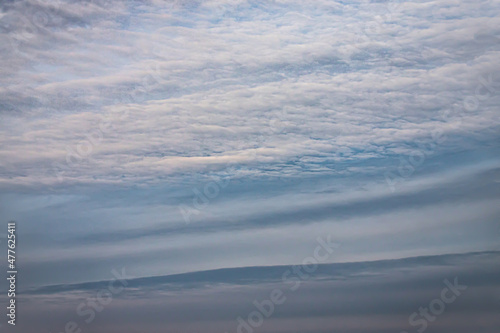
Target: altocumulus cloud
<point>188,86</point>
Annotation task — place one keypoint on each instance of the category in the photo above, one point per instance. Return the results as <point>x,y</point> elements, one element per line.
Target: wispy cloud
<point>364,296</point>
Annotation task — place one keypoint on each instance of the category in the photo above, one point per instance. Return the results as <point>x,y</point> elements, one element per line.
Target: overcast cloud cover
<point>180,136</point>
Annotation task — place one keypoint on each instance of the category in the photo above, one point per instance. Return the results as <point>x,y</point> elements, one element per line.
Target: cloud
<point>189,87</point>
<point>360,296</point>
<point>114,113</point>
<point>373,122</point>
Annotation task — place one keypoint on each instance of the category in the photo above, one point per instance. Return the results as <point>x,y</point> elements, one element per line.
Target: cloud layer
<point>351,297</point>
<point>181,136</point>
<point>125,92</point>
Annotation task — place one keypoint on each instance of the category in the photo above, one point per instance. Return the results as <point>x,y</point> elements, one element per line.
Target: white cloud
<point>224,82</point>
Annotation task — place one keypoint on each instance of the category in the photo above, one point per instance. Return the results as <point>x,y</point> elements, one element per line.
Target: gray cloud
<point>364,296</point>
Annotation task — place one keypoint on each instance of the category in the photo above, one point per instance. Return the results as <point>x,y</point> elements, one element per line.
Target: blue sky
<point>179,136</point>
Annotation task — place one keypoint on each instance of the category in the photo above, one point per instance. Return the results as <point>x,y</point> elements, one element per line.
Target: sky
<point>172,138</point>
